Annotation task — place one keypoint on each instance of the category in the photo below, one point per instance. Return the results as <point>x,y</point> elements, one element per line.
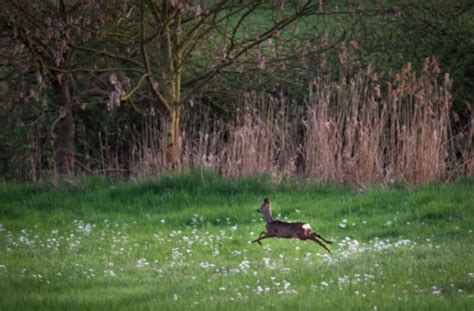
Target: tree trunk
<point>64,128</point>
<point>173,139</point>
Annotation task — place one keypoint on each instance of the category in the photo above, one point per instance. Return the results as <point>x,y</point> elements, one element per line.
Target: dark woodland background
<point>344,91</point>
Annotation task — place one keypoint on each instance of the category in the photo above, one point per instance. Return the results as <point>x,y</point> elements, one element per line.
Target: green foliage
<point>182,241</point>
<point>436,28</point>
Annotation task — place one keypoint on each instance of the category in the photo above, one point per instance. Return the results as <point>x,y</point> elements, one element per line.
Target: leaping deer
<point>287,230</point>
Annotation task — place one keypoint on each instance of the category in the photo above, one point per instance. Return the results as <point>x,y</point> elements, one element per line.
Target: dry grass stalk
<point>353,131</point>
<point>350,131</point>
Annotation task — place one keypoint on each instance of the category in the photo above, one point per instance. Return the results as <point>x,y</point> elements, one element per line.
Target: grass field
<point>182,242</point>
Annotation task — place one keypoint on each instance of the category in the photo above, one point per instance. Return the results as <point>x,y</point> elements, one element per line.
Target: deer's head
<point>266,206</point>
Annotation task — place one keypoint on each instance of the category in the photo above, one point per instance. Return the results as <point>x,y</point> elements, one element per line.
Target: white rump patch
<point>306,226</point>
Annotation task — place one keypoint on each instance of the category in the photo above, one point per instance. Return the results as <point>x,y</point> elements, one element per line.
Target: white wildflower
<point>382,245</point>
<point>400,243</point>
<point>244,264</point>
<point>350,247</point>
<point>109,272</point>
<point>236,253</point>
<point>142,262</point>
<point>343,280</point>
<point>206,265</point>
<point>287,288</point>
<point>266,261</point>
<point>176,254</point>
<point>84,228</point>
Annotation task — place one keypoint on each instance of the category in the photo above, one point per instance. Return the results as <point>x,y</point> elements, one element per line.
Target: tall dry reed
<point>353,130</point>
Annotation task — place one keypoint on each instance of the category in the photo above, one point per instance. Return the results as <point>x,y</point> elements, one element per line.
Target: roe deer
<point>281,229</point>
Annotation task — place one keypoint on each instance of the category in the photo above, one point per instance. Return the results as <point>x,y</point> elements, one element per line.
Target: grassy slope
<point>400,249</point>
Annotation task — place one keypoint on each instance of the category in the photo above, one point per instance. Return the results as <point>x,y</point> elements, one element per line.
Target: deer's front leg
<point>263,233</point>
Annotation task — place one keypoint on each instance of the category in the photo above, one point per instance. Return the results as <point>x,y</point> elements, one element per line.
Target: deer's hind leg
<point>320,243</point>
<point>316,234</point>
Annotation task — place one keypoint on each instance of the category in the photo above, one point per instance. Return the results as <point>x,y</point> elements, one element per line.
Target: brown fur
<point>287,230</point>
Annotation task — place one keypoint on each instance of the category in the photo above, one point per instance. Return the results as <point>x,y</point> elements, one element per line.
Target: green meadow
<point>183,242</point>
